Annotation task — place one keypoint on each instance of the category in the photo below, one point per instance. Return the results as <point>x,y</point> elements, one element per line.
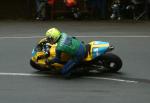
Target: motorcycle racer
<point>66,44</point>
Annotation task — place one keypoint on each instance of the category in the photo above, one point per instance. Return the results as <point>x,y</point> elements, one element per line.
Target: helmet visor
<point>50,40</point>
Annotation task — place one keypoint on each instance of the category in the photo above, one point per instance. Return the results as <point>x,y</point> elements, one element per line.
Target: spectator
<point>122,9</point>
<point>139,8</point>
<point>116,7</point>
<point>98,8</point>
<point>41,9</point>
<point>103,8</point>
<point>147,8</point>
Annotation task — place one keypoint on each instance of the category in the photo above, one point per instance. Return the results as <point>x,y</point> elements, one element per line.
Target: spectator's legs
<point>40,10</point>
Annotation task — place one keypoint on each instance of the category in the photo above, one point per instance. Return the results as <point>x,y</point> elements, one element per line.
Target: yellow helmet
<point>53,34</point>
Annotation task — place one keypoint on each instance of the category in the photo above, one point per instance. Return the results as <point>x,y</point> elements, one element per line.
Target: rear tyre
<point>111,62</point>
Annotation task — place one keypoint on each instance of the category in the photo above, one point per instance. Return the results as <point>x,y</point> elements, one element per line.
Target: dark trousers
<point>41,8</point>
<point>79,56</point>
<point>98,7</point>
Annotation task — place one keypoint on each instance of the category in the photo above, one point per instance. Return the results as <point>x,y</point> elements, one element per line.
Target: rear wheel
<point>110,62</point>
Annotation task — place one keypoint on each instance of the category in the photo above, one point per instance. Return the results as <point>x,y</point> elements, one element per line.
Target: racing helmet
<point>53,35</point>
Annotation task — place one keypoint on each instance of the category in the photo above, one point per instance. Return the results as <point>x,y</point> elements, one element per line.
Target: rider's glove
<point>47,54</point>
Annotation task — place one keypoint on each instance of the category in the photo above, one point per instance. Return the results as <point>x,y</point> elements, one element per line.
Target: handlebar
<point>43,47</point>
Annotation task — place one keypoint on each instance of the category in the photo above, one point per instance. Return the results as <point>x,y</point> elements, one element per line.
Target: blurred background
<point>75,9</point>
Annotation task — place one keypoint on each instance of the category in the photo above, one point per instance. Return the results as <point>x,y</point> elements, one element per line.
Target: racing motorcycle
<point>98,58</point>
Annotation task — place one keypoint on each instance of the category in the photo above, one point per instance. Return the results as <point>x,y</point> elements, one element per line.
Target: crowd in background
<point>97,7</point>
<point>134,9</point>
<point>101,9</point>
<point>93,9</point>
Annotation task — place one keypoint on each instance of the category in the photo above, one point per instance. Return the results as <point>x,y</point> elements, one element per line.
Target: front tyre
<point>37,66</point>
<point>111,62</point>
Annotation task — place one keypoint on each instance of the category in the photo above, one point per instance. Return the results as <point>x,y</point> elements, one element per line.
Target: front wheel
<point>37,66</point>
<point>110,62</point>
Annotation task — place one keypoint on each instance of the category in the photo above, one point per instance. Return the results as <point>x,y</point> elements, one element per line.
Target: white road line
<point>113,79</point>
<point>116,36</point>
<point>45,75</point>
<point>21,37</point>
<point>23,74</point>
<point>84,36</point>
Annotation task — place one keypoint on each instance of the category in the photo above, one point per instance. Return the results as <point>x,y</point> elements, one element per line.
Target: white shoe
<point>119,18</point>
<point>112,16</point>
